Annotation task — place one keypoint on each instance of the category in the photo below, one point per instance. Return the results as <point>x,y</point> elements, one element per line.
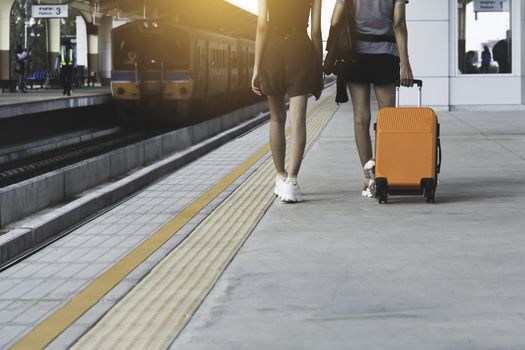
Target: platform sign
<point>489,5</point>
<point>50,11</point>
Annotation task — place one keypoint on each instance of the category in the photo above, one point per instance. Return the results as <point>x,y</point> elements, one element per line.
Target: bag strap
<point>350,16</point>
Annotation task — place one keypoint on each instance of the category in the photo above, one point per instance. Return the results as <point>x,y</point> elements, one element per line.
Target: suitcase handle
<point>419,84</point>
<point>439,156</point>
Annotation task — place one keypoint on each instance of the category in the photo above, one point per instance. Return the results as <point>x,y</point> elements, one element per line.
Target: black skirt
<point>290,66</point>
<point>380,69</point>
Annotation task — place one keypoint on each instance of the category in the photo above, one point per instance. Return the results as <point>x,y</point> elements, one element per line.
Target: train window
<point>234,60</point>
<point>125,50</point>
<point>202,55</point>
<point>177,49</point>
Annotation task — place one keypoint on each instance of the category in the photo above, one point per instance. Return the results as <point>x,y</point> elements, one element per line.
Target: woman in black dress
<point>288,62</point>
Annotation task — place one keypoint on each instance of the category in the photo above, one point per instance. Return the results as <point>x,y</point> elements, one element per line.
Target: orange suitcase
<point>408,150</point>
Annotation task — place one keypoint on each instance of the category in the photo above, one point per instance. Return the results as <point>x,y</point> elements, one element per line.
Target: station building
<point>447,38</point>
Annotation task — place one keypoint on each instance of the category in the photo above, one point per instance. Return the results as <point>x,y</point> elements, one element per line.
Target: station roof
<point>212,14</point>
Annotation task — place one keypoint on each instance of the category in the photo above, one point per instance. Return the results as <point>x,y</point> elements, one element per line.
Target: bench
<point>44,79</point>
<point>53,78</point>
<point>9,85</point>
<point>39,77</point>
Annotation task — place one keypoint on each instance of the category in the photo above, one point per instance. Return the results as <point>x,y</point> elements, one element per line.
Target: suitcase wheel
<point>431,197</point>
<point>382,197</point>
<point>429,190</point>
<point>382,190</point>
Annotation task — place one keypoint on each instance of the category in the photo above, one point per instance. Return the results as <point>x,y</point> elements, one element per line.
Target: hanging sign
<point>50,11</point>
<point>488,6</point>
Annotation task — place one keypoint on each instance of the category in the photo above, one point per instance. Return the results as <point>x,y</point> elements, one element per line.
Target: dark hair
<point>19,48</point>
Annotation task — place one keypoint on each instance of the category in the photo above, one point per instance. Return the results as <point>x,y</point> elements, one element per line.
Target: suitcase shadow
<point>483,189</point>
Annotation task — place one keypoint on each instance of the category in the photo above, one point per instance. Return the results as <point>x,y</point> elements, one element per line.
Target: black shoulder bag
<point>339,45</point>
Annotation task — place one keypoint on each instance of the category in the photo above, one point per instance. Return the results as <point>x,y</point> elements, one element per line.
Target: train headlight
<point>121,91</point>
<point>145,24</point>
<point>155,25</point>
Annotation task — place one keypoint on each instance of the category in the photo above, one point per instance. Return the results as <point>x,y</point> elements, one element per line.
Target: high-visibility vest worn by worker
<point>63,58</point>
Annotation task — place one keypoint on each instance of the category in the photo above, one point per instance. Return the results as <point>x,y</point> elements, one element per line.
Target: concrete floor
<point>342,272</point>
<point>13,105</point>
<point>38,95</point>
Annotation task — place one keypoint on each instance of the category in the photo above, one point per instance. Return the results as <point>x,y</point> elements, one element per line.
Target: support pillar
<point>93,56</point>
<point>104,46</point>
<point>5,33</point>
<point>53,41</point>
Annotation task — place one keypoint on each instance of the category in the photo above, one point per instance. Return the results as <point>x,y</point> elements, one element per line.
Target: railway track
<point>27,168</point>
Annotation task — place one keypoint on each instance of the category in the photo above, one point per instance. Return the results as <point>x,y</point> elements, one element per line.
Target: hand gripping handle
<point>419,84</point>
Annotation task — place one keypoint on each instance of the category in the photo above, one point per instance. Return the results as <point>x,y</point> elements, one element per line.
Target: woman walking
<point>288,62</point>
<point>379,38</point>
<point>22,59</point>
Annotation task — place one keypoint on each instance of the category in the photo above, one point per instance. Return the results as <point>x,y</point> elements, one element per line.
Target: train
<point>170,72</point>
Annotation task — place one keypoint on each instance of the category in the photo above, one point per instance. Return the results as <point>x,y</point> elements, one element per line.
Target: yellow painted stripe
<point>158,308</point>
<point>65,316</point>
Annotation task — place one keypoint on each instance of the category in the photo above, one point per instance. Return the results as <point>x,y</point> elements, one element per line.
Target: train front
<point>152,70</point>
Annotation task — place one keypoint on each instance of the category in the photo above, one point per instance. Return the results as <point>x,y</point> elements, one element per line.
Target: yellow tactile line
<point>158,308</point>
<point>60,320</point>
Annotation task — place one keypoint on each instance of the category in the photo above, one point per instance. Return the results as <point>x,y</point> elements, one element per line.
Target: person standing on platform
<point>67,65</point>
<point>22,59</point>
<point>288,62</point>
<point>500,52</point>
<point>486,58</point>
<point>380,58</point>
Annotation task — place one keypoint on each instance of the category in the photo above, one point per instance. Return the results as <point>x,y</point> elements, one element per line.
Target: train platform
<point>48,100</point>
<point>208,258</point>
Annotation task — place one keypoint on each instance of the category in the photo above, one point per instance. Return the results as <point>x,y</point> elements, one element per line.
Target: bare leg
<point>298,121</point>
<point>277,134</point>
<point>361,102</point>
<point>386,95</point>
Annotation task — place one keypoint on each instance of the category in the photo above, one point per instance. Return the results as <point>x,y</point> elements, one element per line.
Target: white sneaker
<point>290,191</point>
<point>370,169</point>
<point>370,190</point>
<point>279,181</point>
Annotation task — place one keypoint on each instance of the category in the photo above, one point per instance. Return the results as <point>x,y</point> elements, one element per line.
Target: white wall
<point>522,58</point>
<point>428,36</point>
<point>480,90</point>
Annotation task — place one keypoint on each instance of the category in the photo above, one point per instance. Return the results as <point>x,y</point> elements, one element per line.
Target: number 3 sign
<point>50,11</point>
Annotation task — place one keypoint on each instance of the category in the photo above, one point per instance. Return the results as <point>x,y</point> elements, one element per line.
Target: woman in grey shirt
<point>379,39</point>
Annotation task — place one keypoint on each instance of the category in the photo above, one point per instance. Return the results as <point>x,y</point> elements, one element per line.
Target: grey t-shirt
<point>374,17</point>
